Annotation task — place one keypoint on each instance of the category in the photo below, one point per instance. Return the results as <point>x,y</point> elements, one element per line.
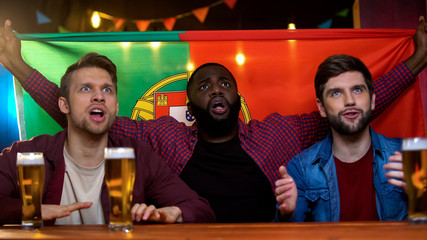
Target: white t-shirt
<point>82,184</point>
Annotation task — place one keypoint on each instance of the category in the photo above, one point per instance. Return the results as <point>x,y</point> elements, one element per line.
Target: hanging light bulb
<point>240,59</point>
<point>96,20</point>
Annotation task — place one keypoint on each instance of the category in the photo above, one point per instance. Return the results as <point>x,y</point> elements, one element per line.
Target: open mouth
<point>219,105</point>
<point>351,114</point>
<point>97,112</point>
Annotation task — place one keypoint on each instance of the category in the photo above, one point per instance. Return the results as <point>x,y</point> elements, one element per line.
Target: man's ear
<point>63,105</point>
<point>321,108</point>
<point>117,109</point>
<point>190,111</point>
<point>373,102</point>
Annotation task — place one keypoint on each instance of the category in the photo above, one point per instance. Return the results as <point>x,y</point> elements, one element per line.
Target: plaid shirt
<point>270,142</point>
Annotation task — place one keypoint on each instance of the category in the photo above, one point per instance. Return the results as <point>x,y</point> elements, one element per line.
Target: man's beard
<point>85,126</point>
<point>345,129</point>
<point>216,127</point>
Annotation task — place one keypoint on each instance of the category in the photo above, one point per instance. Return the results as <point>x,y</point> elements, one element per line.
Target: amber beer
<point>31,181</point>
<point>414,151</point>
<point>120,177</point>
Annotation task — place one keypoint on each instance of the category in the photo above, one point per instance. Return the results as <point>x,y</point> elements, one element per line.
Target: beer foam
<point>413,144</point>
<point>118,153</point>
<point>29,158</point>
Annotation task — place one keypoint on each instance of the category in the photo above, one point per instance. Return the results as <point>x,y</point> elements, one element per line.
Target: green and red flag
<point>274,70</point>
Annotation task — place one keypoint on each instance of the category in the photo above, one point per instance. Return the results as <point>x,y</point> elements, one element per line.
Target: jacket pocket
<point>394,202</point>
<point>314,195</point>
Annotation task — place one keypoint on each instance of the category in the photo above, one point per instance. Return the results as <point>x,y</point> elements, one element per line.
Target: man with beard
<point>346,176</point>
<point>74,157</point>
<point>230,163</point>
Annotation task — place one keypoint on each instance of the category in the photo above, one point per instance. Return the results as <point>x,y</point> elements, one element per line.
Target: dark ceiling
<point>247,14</point>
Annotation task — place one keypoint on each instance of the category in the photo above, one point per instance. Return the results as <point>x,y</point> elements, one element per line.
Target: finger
<point>140,211</point>
<point>8,29</point>
<point>397,183</point>
<point>162,216</point>
<point>77,205</point>
<point>283,188</point>
<point>150,212</point>
<point>134,210</point>
<point>395,174</point>
<point>282,171</point>
<point>393,166</point>
<point>395,158</point>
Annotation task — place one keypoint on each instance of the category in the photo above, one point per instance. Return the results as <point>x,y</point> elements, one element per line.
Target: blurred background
<point>53,16</point>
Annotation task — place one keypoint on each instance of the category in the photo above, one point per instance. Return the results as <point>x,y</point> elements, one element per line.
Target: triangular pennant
<point>41,18</point>
<point>343,13</point>
<point>201,13</point>
<point>62,29</point>
<point>325,24</point>
<point>230,3</point>
<point>118,23</point>
<point>142,25</point>
<point>169,23</point>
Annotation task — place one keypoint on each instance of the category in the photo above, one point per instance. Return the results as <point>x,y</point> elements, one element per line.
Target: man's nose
<point>98,96</point>
<point>349,100</point>
<point>216,90</point>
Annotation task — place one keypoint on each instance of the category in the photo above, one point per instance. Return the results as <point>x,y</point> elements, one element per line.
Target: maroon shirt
<point>356,186</point>
<point>154,181</point>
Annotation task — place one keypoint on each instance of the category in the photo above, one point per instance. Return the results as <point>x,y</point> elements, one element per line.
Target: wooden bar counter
<point>316,231</point>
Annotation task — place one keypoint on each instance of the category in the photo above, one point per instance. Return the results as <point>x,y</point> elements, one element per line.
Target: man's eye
<point>357,90</point>
<point>85,89</point>
<point>336,94</point>
<point>203,87</point>
<point>226,84</point>
<point>107,90</point>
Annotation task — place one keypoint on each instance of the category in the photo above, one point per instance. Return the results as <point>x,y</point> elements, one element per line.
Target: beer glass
<point>31,181</point>
<point>414,152</point>
<point>120,177</point>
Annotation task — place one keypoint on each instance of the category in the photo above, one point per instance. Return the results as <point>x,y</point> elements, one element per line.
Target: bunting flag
<point>142,25</point>
<point>230,3</point>
<point>118,23</point>
<point>201,13</point>
<point>169,23</point>
<point>276,74</point>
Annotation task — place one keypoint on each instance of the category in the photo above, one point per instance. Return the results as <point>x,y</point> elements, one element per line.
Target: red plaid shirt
<point>270,142</point>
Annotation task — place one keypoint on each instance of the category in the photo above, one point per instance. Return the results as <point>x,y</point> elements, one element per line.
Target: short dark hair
<point>336,65</point>
<point>88,60</point>
<point>203,66</point>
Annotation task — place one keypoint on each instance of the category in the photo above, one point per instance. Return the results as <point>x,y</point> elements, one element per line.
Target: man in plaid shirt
<point>232,164</point>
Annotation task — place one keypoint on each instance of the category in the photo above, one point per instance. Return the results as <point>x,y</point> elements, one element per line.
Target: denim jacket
<point>315,176</point>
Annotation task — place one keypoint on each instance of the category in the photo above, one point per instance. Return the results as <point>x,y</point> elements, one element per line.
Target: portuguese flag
<point>274,70</point>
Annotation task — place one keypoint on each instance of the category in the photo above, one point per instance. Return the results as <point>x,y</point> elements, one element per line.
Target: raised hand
<point>286,194</point>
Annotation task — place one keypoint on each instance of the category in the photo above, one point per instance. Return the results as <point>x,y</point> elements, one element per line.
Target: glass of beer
<point>31,181</point>
<point>414,153</point>
<point>120,177</point>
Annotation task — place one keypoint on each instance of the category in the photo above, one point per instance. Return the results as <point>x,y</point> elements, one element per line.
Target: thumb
<point>421,25</point>
<point>282,171</point>
<point>8,24</point>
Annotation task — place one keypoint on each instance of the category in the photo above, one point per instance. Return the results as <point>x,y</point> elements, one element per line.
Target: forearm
<point>20,70</point>
<point>46,95</point>
<point>389,86</point>
<point>416,63</point>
